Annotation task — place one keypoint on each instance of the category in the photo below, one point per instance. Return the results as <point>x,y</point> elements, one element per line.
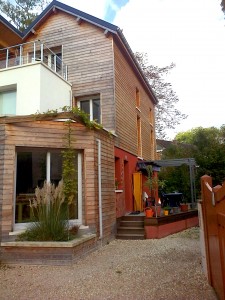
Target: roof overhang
<point>9,34</point>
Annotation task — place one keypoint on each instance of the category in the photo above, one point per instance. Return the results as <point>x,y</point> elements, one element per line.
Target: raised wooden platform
<point>156,228</point>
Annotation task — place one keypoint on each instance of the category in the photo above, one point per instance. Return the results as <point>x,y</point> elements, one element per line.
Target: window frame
<point>7,91</point>
<point>91,99</point>
<point>22,226</point>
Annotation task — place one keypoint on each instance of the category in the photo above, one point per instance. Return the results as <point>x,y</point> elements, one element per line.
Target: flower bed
<point>47,253</point>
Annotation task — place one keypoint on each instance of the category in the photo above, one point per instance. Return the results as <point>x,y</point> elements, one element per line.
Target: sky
<point>190,33</point>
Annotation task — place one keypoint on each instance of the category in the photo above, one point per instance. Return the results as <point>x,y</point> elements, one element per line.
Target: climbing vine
<point>68,167</point>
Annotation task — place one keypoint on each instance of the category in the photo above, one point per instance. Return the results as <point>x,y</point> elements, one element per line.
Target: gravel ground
<point>168,268</point>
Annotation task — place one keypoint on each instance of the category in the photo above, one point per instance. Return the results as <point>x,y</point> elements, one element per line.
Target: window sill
<point>118,191</point>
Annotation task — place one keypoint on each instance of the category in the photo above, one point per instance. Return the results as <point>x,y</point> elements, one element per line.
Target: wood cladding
<point>96,65</point>
<point>89,55</point>
<point>126,87</point>
<point>50,135</point>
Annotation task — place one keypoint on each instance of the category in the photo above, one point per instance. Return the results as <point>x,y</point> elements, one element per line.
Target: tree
<point>166,114</point>
<point>207,146</point>
<point>223,5</point>
<point>22,12</point>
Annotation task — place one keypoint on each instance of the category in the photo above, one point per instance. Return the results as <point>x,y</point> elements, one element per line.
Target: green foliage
<point>22,12</point>
<point>152,182</point>
<point>49,215</point>
<point>166,114</point>
<point>207,146</point>
<point>69,170</point>
<point>49,113</point>
<point>83,117</point>
<point>73,113</point>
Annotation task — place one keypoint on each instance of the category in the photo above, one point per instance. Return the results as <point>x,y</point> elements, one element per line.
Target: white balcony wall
<point>37,88</point>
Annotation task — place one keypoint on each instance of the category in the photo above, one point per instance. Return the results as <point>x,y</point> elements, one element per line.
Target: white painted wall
<point>38,88</point>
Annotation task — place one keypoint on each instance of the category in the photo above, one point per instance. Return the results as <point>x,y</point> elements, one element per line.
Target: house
<point>69,58</point>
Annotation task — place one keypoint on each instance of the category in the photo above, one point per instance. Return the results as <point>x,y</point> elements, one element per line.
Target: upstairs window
<point>139,141</point>
<point>138,100</point>
<point>150,116</point>
<point>8,103</point>
<point>92,107</point>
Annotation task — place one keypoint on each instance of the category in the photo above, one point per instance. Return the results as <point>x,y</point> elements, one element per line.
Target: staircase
<point>131,228</point>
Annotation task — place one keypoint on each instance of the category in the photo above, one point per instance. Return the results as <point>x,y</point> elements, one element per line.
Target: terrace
<point>32,52</point>
<point>33,78</point>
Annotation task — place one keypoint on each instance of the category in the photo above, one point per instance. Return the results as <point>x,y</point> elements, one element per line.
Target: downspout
<point>100,189</point>
<point>48,164</point>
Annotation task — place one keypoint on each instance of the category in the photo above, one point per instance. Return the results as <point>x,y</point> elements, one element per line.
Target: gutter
<point>100,189</point>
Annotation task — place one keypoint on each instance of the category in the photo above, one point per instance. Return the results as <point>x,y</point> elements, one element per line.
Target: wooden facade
<point>100,63</point>
<point>127,112</point>
<point>51,135</point>
<point>98,66</point>
<point>89,55</point>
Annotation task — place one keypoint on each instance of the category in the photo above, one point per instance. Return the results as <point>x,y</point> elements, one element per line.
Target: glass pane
<point>85,106</point>
<point>73,208</point>
<point>96,110</point>
<point>56,167</point>
<point>31,172</point>
<point>8,103</point>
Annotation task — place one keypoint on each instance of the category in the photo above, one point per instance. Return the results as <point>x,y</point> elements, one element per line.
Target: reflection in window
<point>8,103</point>
<point>32,172</point>
<point>91,107</point>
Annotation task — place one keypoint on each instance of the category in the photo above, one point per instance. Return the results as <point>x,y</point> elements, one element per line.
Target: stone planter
<point>47,253</point>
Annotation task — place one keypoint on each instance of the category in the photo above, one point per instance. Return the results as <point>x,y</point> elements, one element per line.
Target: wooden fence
<point>213,214</point>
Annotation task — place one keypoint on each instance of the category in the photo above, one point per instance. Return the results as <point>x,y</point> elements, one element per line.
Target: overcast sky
<point>190,33</point>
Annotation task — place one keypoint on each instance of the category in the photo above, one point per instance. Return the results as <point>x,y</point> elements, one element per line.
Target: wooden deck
<point>162,226</point>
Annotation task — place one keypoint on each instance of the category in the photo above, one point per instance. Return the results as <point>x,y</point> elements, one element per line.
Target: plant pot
<point>148,212</point>
<point>156,210</point>
<point>166,212</point>
<point>183,207</point>
<point>175,210</point>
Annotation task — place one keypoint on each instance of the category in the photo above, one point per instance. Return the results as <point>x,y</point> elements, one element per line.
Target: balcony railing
<point>32,52</point>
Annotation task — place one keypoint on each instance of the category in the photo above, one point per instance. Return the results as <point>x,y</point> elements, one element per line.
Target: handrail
<point>31,52</point>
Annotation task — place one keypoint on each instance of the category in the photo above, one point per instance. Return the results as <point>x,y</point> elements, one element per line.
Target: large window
<point>34,166</point>
<point>91,107</point>
<point>8,103</point>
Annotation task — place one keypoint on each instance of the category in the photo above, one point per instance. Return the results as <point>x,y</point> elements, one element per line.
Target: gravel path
<point>168,268</point>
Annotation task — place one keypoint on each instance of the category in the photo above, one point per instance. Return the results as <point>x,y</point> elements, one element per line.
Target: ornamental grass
<point>49,215</point>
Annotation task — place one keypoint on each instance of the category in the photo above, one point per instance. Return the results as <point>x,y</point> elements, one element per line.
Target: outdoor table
<point>172,199</point>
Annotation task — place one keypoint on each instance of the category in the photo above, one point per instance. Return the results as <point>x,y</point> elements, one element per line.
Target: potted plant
<point>153,183</point>
<point>167,210</point>
<point>148,212</point>
<point>183,205</point>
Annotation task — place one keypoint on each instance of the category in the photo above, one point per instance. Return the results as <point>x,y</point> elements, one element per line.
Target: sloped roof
<point>9,34</point>
<point>10,26</point>
<point>108,27</point>
<point>73,11</point>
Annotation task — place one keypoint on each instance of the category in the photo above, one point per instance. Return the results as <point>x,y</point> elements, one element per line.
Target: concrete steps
<point>131,228</point>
